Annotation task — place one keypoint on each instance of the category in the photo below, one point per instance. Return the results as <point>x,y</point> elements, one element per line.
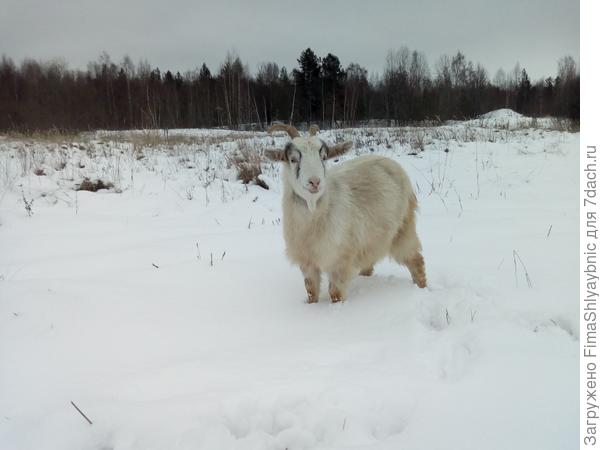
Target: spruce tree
<point>308,80</point>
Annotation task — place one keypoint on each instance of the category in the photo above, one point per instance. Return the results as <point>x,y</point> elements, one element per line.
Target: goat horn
<point>314,129</point>
<point>289,129</point>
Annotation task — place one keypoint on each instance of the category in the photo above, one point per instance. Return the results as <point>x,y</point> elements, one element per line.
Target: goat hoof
<point>310,300</point>
<point>421,282</point>
<point>336,296</point>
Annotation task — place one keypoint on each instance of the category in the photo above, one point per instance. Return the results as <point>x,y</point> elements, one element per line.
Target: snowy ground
<point>166,310</point>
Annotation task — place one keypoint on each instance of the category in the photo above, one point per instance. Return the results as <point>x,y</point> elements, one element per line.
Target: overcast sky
<point>181,34</point>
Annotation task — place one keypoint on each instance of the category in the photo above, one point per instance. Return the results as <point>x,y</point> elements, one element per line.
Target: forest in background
<point>113,95</point>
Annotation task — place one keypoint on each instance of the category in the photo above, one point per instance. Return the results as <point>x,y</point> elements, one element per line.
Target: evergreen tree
<point>333,76</point>
<point>205,72</point>
<point>523,93</point>
<point>308,81</point>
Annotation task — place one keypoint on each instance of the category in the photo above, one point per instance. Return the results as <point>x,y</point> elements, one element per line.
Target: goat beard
<point>310,199</point>
<point>311,202</point>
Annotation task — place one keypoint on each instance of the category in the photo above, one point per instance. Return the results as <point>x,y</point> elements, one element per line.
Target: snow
<point>502,114</point>
<point>166,311</point>
<point>507,119</point>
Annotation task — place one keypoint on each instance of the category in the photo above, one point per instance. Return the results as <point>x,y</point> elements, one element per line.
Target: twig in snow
<point>211,259</point>
<point>549,230</point>
<point>197,251</point>
<point>515,257</point>
<point>223,256</point>
<point>442,199</point>
<point>473,314</point>
<point>500,265</point>
<point>447,317</point>
<point>154,265</point>
<point>28,204</point>
<point>81,412</point>
<point>459,200</point>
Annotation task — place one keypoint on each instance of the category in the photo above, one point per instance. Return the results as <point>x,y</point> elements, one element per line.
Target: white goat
<point>344,221</point>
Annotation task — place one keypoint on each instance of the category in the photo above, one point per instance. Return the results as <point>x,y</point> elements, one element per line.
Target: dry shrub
<point>247,162</point>
<point>398,135</point>
<point>417,141</point>
<point>94,186</point>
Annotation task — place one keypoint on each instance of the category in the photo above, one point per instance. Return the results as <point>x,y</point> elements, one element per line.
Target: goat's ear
<point>275,155</point>
<point>338,149</point>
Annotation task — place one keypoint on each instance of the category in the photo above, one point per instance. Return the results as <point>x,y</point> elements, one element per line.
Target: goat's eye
<point>293,160</point>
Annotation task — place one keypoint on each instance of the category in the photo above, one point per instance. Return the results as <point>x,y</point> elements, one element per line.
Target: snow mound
<point>502,114</point>
<point>506,119</point>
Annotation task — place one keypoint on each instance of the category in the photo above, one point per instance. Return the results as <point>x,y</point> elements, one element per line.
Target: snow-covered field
<point>165,309</point>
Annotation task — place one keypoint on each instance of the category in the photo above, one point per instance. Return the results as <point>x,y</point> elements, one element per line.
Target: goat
<point>344,220</point>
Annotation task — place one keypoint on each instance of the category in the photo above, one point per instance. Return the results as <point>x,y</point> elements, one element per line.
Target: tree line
<point>122,95</point>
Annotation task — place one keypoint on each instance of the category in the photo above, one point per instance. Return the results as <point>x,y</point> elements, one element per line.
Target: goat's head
<point>304,160</point>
